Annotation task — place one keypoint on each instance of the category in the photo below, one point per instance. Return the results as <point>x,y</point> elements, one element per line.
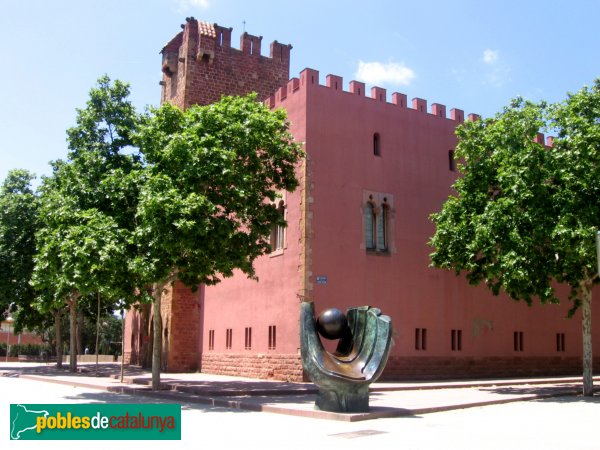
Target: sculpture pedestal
<point>343,400</point>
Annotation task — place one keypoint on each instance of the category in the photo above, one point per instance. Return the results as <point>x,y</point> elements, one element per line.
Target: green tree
<point>80,253</point>
<point>525,216</point>
<point>204,209</point>
<point>18,225</point>
<point>88,207</point>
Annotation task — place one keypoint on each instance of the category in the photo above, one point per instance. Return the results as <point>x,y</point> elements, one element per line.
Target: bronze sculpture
<point>343,377</point>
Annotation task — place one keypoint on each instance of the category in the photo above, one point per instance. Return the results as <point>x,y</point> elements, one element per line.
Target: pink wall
<point>413,171</point>
<point>239,302</point>
<point>413,174</point>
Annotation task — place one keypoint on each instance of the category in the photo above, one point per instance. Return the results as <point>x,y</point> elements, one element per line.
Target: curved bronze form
<point>343,377</point>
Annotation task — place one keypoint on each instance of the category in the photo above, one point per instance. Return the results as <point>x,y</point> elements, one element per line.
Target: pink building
<point>357,234</point>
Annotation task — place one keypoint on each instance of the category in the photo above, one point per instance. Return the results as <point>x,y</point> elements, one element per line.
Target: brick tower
<point>199,66</point>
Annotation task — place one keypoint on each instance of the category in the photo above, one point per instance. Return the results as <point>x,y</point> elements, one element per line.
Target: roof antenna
<point>244,23</point>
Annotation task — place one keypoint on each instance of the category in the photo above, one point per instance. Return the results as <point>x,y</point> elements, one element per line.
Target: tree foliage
<point>18,225</point>
<point>88,206</point>
<point>207,205</point>
<point>214,171</point>
<point>524,216</point>
<point>495,229</point>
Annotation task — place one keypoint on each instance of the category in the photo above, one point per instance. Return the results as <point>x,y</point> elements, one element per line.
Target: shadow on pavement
<point>557,393</point>
<point>573,399</point>
<point>139,376</point>
<point>104,370</point>
<point>111,397</point>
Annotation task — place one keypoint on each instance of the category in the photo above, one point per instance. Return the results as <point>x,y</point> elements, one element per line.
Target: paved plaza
<point>233,412</point>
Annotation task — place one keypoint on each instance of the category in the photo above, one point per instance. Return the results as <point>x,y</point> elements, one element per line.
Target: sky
<point>474,55</point>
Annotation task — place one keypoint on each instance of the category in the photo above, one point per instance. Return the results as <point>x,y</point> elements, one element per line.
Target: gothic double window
<point>278,231</point>
<point>377,225</point>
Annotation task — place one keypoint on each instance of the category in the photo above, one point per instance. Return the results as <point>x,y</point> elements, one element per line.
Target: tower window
<point>376,145</point>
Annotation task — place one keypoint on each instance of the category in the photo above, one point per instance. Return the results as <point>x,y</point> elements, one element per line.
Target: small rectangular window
<point>518,341</point>
<point>248,338</point>
<point>211,339</point>
<point>228,338</point>
<point>456,340</point>
<point>451,161</point>
<point>560,342</point>
<point>376,145</point>
<point>420,338</point>
<point>272,337</point>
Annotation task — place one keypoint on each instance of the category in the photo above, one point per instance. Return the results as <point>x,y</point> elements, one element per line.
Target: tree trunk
<point>73,333</point>
<point>80,324</point>
<point>145,356</point>
<point>157,341</point>
<point>586,331</point>
<point>59,342</point>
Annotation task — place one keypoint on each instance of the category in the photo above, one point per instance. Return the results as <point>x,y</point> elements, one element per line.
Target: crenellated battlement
<point>309,79</point>
<point>199,65</point>
<point>203,40</point>
<point>547,141</point>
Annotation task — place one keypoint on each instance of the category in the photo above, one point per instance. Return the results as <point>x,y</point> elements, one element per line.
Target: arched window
<point>383,227</point>
<point>378,223</point>
<point>278,231</point>
<point>370,218</point>
<point>376,145</point>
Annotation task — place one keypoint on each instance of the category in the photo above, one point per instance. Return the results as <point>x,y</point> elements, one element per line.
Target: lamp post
<point>9,320</point>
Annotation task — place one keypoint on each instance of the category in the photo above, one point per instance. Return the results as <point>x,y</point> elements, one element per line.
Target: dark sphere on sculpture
<point>332,324</point>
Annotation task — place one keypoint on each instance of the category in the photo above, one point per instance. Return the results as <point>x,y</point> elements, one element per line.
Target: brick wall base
<point>263,366</point>
<point>436,368</point>
<point>289,367</point>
